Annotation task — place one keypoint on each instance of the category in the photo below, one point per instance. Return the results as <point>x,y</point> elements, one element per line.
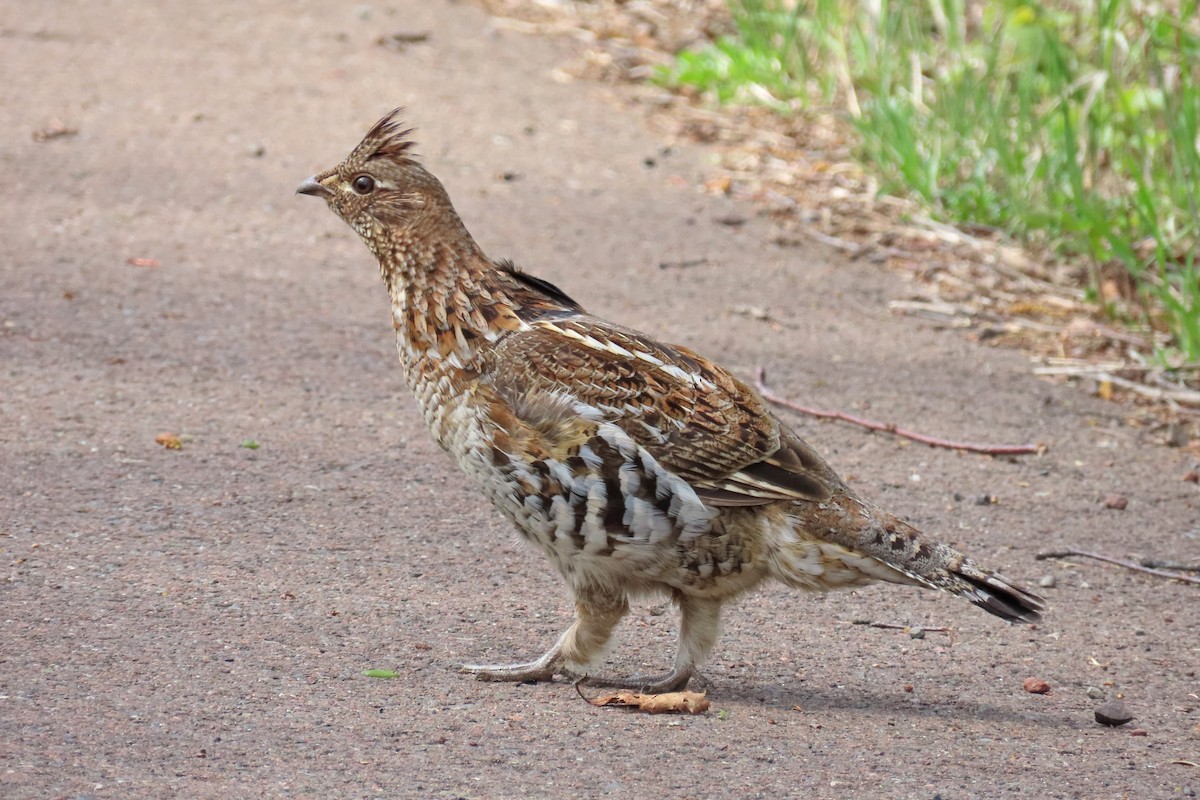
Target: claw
<point>673,681</point>
<point>517,673</point>
<point>543,669</point>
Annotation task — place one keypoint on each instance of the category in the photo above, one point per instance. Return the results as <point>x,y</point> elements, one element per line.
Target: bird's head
<point>380,190</point>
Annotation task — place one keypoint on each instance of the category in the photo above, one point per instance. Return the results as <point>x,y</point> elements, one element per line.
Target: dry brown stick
<point>1120,562</point>
<point>760,383</point>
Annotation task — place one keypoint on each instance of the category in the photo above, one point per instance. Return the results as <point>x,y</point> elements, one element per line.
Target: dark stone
<point>1113,713</point>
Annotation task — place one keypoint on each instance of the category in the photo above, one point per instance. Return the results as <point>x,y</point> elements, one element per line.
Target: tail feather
<point>997,595</point>
<point>908,556</point>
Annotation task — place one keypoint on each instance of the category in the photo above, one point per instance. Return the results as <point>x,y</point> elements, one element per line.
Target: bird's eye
<point>363,184</point>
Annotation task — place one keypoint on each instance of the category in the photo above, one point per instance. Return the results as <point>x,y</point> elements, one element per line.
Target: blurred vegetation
<point>1072,125</point>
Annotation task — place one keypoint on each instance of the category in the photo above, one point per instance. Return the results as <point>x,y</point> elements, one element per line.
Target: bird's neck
<point>446,303</point>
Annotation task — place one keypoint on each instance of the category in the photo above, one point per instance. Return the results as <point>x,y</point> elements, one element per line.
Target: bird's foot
<point>674,681</point>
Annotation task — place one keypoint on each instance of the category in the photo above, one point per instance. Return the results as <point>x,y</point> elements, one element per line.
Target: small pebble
<point>1047,582</point>
<point>1117,502</point>
<point>1036,686</point>
<point>1113,713</point>
<point>1095,692</point>
<point>916,633</point>
<point>985,500</point>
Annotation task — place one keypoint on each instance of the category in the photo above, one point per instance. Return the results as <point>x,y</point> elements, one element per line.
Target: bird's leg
<point>597,614</point>
<point>699,627</point>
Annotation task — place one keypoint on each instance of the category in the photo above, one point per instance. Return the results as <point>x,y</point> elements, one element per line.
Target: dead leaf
<point>55,130</point>
<point>1110,290</point>
<point>754,312</point>
<point>668,703</point>
<point>143,262</point>
<point>170,441</point>
<point>721,185</point>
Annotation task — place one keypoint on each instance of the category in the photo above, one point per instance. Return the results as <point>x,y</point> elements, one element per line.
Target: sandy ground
<point>195,623</point>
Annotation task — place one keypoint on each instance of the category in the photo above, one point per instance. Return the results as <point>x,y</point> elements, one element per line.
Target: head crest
<point>387,138</point>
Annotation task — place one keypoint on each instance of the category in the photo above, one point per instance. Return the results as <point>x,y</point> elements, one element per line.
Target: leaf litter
<point>665,703</point>
<point>800,172</point>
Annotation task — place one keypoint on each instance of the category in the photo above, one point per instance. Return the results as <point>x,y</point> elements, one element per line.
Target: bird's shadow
<point>816,700</point>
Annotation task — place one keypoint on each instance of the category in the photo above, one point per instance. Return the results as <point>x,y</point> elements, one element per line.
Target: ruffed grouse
<point>635,466</point>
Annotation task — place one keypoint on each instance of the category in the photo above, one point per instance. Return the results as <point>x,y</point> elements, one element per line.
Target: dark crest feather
<point>387,138</point>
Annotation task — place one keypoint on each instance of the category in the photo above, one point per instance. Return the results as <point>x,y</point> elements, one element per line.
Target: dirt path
<point>195,623</point>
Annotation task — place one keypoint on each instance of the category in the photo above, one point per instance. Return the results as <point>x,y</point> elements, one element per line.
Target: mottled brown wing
<point>692,416</point>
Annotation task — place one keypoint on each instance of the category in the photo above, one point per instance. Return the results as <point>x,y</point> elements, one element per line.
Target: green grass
<point>1072,125</point>
<point>381,673</point>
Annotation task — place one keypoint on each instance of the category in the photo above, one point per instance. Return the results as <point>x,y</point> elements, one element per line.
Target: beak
<point>313,187</point>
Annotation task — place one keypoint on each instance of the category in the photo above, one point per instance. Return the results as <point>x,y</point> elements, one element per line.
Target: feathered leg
<point>699,628</point>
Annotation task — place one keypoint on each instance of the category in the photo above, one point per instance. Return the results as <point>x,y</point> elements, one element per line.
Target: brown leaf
<point>55,130</point>
<point>170,441</point>
<point>668,703</point>
<point>721,185</point>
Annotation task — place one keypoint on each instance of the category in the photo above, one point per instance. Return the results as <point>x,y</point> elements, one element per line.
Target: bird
<point>637,467</point>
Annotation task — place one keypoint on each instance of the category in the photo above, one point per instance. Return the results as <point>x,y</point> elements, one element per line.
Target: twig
<point>948,313</point>
<point>760,383</point>
<point>535,28</point>
<point>684,264</point>
<point>833,241</point>
<point>1184,396</point>
<point>892,626</point>
<point>1120,562</point>
<point>1155,564</point>
<point>964,315</point>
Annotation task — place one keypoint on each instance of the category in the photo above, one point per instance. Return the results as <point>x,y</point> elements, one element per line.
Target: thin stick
<point>1132,565</point>
<point>892,626</point>
<point>1185,396</point>
<point>887,427</point>
<point>1155,564</point>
